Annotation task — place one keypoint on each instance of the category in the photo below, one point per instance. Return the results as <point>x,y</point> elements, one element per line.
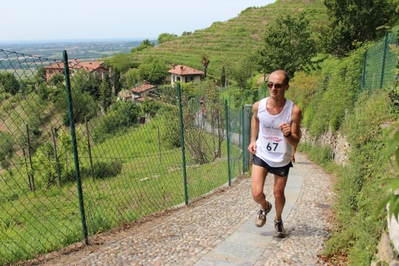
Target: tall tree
<point>223,77</point>
<point>116,82</point>
<point>198,144</point>
<point>354,22</point>
<point>216,119</point>
<point>105,93</point>
<point>205,62</point>
<point>288,45</point>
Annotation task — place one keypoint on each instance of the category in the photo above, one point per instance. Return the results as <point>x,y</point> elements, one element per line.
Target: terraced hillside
<point>226,42</point>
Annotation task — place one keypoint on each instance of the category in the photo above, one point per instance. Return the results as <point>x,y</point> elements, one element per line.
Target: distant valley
<point>84,50</point>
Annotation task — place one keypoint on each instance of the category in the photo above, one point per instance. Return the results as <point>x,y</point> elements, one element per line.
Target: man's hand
<point>286,129</point>
<point>252,147</point>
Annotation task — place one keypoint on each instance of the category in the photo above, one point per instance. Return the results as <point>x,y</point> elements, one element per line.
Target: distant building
<point>184,74</point>
<point>124,95</point>
<point>75,65</point>
<point>141,91</point>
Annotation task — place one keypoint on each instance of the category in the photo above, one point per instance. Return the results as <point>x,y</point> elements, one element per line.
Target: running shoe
<point>260,219</point>
<point>280,231</point>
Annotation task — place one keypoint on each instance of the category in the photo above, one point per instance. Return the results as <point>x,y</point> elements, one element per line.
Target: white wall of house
<point>184,79</point>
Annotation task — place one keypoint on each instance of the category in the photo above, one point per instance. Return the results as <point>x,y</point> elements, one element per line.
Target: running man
<point>275,128</point>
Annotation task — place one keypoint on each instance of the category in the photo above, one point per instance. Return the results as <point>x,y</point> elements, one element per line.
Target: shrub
<point>122,115</point>
<point>101,170</point>
<point>107,169</point>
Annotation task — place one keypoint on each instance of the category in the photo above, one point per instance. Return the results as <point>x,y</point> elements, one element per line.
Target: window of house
<point>178,78</point>
<point>189,78</point>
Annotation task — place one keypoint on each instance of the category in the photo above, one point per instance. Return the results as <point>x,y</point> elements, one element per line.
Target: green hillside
<point>226,42</point>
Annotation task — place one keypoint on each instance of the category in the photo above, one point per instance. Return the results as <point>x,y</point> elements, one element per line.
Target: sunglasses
<point>276,85</point>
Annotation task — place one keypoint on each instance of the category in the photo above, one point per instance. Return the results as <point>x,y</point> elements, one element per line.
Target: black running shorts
<point>280,171</point>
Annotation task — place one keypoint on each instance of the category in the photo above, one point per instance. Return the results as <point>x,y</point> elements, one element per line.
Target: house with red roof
<point>95,67</point>
<point>184,74</point>
<point>141,91</point>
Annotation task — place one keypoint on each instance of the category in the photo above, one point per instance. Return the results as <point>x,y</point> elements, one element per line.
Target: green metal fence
<point>379,66</point>
<point>76,162</point>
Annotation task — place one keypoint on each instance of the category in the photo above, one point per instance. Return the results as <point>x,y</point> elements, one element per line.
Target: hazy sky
<point>105,19</point>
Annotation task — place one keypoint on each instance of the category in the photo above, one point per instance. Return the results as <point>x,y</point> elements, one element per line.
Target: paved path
<point>219,229</point>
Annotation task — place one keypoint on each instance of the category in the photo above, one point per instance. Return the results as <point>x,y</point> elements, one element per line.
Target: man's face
<point>276,85</point>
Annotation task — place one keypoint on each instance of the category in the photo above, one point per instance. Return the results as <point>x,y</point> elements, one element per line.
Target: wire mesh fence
<point>79,158</point>
<point>379,66</point>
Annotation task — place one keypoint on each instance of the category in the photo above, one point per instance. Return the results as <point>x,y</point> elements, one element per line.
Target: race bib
<point>272,140</point>
<point>274,144</point>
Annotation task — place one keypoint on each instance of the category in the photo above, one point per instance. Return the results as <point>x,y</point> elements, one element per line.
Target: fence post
<point>383,60</point>
<point>89,149</point>
<point>364,71</point>
<point>242,135</point>
<point>246,136</point>
<point>57,165</point>
<point>74,146</point>
<point>30,175</point>
<point>228,139</point>
<point>183,152</point>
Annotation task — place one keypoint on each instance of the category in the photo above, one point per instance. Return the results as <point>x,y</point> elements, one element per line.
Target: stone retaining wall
<point>337,142</point>
<point>341,149</point>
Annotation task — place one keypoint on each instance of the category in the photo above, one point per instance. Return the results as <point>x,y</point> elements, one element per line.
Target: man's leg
<point>279,201</point>
<point>258,180</point>
<point>258,177</point>
<point>279,196</point>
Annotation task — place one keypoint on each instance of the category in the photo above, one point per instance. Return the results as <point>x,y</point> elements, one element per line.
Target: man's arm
<point>296,118</point>
<point>254,128</point>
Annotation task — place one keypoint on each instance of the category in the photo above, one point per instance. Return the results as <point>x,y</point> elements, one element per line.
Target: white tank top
<point>271,145</point>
